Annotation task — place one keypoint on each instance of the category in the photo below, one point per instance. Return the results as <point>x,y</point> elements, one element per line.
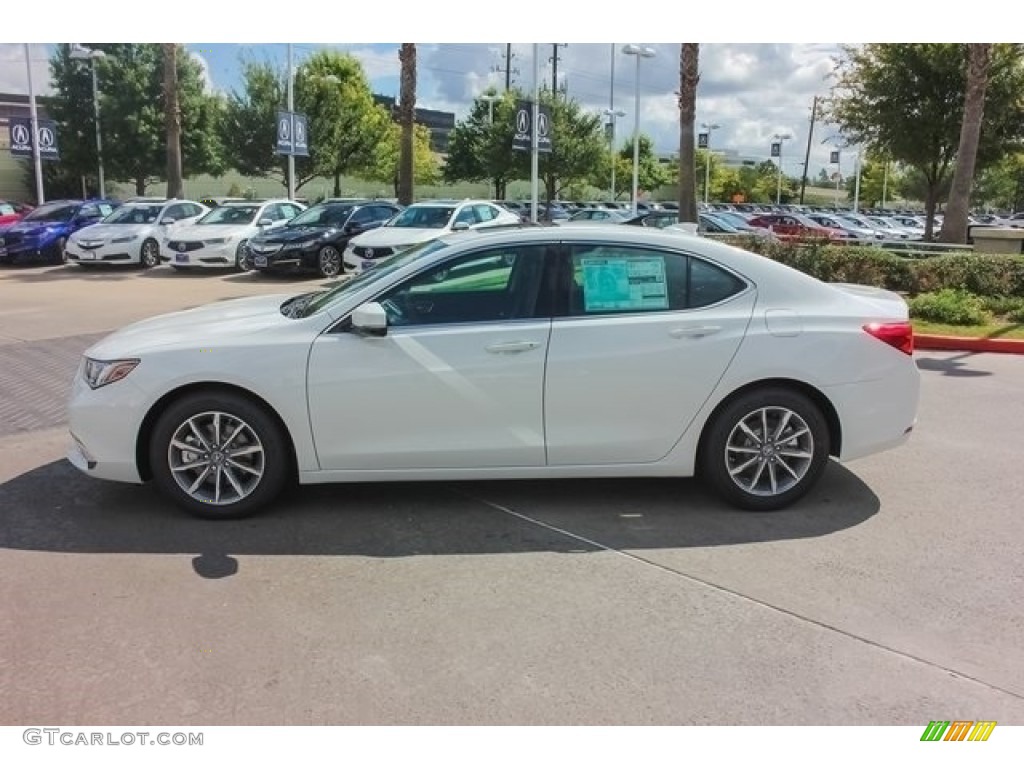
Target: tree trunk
<point>407,115</point>
<point>140,186</point>
<point>337,185</point>
<point>954,223</point>
<point>689,76</point>
<point>172,116</point>
<point>930,203</point>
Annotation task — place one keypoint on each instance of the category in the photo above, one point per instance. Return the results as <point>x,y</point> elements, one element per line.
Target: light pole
<point>490,98</point>
<point>641,52</point>
<point>613,116</point>
<point>779,138</point>
<point>81,53</point>
<point>708,127</point>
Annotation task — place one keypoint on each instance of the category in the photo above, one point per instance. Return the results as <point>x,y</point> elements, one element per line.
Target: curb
<point>967,344</point>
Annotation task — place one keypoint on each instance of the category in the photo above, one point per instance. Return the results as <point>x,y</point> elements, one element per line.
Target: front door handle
<point>694,331</point>
<point>506,347</point>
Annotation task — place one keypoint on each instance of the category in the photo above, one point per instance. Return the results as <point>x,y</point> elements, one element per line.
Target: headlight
<point>125,239</point>
<point>216,241</point>
<point>99,373</point>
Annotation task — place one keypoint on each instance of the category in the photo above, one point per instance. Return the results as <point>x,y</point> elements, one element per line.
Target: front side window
<point>484,286</point>
<point>424,217</point>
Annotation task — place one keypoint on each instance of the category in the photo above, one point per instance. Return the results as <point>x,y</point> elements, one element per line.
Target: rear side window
<point>710,284</point>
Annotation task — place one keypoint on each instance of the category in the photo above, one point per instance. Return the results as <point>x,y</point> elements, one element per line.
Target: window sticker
<point>617,284</point>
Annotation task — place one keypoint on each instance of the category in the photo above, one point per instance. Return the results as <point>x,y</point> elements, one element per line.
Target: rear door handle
<point>694,331</point>
<point>505,347</point>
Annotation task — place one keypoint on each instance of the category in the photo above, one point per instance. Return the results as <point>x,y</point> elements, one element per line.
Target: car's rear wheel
<point>329,261</point>
<point>149,253</point>
<point>765,449</point>
<point>218,455</point>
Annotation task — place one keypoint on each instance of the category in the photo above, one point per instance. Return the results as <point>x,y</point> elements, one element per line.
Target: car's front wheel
<point>765,449</point>
<point>149,253</point>
<point>60,253</point>
<point>329,261</point>
<point>242,257</point>
<point>219,455</point>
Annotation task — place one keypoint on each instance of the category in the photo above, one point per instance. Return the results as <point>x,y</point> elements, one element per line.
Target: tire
<point>328,262</point>
<point>241,257</point>
<point>61,255</point>
<point>149,254</point>
<point>752,475</point>
<point>228,487</point>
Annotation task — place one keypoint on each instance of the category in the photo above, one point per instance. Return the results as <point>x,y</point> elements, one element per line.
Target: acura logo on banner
<point>20,130</point>
<point>702,141</point>
<point>776,149</point>
<point>523,135</point>
<point>834,157</point>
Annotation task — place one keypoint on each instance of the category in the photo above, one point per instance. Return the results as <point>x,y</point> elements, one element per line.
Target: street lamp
<point>641,52</point>
<point>81,53</point>
<point>613,115</point>
<point>490,98</point>
<point>779,138</point>
<point>708,127</point>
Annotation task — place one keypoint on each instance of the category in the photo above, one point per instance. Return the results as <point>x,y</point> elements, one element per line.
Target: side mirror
<point>370,320</point>
<point>265,223</point>
<point>459,226</point>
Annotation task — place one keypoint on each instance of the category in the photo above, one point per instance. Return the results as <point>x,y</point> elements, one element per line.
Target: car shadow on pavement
<point>37,273</point>
<point>54,508</point>
<point>951,366</point>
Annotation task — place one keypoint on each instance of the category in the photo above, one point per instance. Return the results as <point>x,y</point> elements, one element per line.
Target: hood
<point>221,322</point>
<point>111,231</point>
<point>390,237</point>
<point>36,227</point>
<point>288,234</point>
<point>209,231</point>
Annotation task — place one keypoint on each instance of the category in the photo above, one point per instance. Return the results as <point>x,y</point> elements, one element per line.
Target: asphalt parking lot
<point>890,596</point>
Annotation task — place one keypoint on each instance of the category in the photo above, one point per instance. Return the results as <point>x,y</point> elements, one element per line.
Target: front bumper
<point>109,252</point>
<point>104,425</point>
<point>28,251</point>
<point>288,258</point>
<point>210,256</point>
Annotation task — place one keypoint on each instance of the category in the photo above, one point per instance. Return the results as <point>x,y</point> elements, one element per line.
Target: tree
<point>906,100</point>
<point>172,116</point>
<point>689,77</point>
<point>406,116</point>
<point>1001,185</point>
<point>346,126</point>
<point>954,223</point>
<point>131,85</point>
<point>480,149</point>
<point>577,146</point>
<point>426,169</point>
<point>651,175</point>
<point>250,122</point>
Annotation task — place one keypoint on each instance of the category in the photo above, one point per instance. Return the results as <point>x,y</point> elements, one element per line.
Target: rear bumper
<point>876,415</point>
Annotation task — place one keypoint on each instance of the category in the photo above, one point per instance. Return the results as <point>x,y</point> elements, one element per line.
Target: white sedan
<point>419,223</point>
<point>132,233</point>
<point>535,353</point>
<point>219,239</point>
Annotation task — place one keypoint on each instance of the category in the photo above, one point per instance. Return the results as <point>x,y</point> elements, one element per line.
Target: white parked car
<point>219,238</point>
<point>532,353</point>
<point>419,223</point>
<point>131,234</point>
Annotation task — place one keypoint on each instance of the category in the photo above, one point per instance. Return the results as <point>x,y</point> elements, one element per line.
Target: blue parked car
<point>42,234</point>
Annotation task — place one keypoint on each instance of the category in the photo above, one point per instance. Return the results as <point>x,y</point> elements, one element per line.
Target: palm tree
<point>172,116</point>
<point>406,116</point>
<point>689,76</point>
<point>954,223</point>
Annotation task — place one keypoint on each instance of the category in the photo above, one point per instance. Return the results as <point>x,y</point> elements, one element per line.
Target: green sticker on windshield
<point>623,285</point>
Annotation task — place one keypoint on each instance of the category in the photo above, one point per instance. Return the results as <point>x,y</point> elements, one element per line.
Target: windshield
<point>322,216</point>
<point>316,302</point>
<point>423,217</point>
<point>52,212</point>
<point>6,209</point>
<point>134,214</point>
<point>231,214</point>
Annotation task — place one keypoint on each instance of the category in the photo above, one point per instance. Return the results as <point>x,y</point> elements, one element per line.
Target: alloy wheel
<point>769,451</point>
<point>216,458</point>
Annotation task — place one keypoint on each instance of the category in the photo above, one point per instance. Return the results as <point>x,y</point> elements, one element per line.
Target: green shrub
<point>1016,315</point>
<point>1002,305</point>
<point>950,306</point>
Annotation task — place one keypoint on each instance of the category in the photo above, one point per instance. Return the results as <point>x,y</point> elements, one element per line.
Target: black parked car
<point>315,239</point>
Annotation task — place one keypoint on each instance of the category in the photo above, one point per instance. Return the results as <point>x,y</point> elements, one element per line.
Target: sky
<point>753,89</point>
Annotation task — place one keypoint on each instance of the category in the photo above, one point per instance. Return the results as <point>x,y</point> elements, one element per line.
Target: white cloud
<point>14,73</point>
<point>204,69</point>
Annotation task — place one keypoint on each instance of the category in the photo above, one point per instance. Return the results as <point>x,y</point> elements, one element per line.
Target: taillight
<point>898,335</point>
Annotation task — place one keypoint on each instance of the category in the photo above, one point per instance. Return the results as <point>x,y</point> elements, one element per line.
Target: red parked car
<point>795,226</point>
<point>11,213</point>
